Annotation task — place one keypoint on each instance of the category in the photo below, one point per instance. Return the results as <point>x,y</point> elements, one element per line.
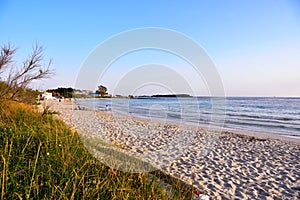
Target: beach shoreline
<point>239,131</point>
<point>240,165</point>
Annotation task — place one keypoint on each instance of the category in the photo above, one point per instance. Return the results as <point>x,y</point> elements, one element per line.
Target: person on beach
<point>106,108</point>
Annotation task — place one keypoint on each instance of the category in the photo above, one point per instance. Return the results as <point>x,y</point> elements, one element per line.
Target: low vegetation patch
<point>41,158</point>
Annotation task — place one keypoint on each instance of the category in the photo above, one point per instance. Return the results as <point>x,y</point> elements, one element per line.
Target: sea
<point>273,115</point>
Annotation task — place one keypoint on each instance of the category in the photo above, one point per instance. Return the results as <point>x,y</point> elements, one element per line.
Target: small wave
<point>173,115</point>
<point>284,118</point>
<point>248,123</point>
<point>243,115</point>
<point>263,117</point>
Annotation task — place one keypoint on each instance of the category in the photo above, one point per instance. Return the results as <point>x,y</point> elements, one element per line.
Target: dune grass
<point>41,158</point>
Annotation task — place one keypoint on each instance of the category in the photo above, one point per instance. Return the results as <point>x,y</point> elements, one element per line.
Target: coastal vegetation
<point>42,158</point>
<point>68,92</point>
<point>102,91</point>
<point>62,92</point>
<point>15,79</point>
<point>171,95</point>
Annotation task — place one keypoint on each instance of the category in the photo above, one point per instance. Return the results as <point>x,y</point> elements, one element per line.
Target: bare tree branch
<point>6,55</point>
<point>19,78</point>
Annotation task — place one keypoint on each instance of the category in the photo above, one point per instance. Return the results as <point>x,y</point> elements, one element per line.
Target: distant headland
<point>171,95</point>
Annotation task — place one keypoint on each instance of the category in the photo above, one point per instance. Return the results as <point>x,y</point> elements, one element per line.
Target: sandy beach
<point>234,166</point>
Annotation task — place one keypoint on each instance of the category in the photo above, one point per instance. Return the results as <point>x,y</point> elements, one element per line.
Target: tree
<point>102,90</point>
<point>65,92</point>
<point>16,79</point>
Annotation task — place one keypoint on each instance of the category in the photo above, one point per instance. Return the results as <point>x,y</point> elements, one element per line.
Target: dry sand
<point>236,166</point>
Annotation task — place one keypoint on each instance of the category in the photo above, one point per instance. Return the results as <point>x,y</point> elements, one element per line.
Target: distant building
<point>45,95</point>
<point>107,95</point>
<point>82,92</point>
<point>94,94</point>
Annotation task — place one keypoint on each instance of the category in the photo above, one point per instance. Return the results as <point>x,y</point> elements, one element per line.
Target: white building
<point>46,95</point>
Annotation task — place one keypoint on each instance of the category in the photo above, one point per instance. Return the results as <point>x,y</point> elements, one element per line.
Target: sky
<point>254,45</point>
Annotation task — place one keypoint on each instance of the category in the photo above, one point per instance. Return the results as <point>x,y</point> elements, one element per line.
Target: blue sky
<point>255,45</point>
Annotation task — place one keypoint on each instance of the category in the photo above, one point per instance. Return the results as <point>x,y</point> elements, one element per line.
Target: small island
<point>172,95</point>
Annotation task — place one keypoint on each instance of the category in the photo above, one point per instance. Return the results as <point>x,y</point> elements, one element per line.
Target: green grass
<point>41,158</point>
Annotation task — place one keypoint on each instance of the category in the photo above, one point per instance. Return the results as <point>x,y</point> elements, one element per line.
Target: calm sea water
<point>268,115</point>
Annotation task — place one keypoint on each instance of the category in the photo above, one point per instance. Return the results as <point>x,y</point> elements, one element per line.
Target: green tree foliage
<point>62,92</point>
<point>102,90</point>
